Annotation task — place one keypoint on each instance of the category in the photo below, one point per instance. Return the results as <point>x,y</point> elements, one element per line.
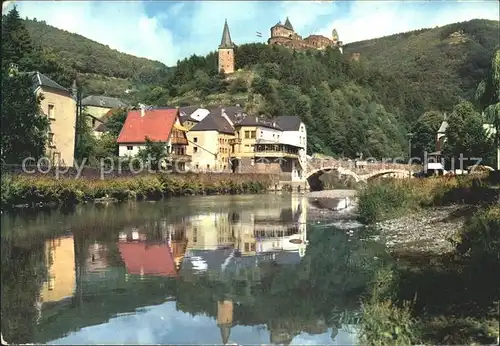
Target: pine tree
<point>17,47</point>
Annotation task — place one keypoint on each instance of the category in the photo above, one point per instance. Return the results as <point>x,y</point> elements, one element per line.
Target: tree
<point>465,134</point>
<point>85,140</point>
<point>154,151</point>
<point>116,121</point>
<point>17,47</point>
<point>106,146</point>
<point>425,132</point>
<point>24,127</point>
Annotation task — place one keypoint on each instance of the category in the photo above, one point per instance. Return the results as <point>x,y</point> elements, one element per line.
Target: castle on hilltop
<point>285,35</point>
<point>282,35</point>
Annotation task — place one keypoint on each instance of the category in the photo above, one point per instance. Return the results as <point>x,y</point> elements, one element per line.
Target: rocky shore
<point>428,230</point>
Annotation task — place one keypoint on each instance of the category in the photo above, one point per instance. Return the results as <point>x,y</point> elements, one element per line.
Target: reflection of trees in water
<point>325,286</point>
<point>23,272</point>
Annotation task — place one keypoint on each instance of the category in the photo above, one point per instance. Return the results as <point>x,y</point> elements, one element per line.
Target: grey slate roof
<point>288,25</point>
<point>252,120</point>
<point>214,121</point>
<point>187,111</point>
<point>289,123</point>
<point>41,80</point>
<point>225,41</point>
<point>103,101</point>
<point>235,113</point>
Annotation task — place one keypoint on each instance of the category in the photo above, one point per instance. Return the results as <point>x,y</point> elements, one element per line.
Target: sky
<point>167,31</point>
<point>163,324</point>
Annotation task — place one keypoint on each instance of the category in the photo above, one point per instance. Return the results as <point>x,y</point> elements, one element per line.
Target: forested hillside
<point>101,68</point>
<point>442,64</point>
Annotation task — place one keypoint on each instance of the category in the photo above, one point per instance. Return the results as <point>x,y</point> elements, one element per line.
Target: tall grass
<point>384,323</point>
<point>390,198</point>
<point>22,189</point>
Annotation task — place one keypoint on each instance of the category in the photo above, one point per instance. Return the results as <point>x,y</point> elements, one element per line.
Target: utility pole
<point>410,135</point>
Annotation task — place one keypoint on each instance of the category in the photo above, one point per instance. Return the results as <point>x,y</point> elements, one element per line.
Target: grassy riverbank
<point>436,298</point>
<point>393,198</point>
<point>33,190</point>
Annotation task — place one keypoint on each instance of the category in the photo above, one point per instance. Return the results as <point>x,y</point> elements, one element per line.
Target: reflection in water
<point>225,269</point>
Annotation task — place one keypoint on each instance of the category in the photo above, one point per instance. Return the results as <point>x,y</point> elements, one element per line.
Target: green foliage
<point>116,121</point>
<point>424,133</point>
<point>465,134</point>
<point>82,55</point>
<point>383,322</point>
<point>24,127</point>
<point>153,152</point>
<point>441,65</point>
<point>480,237</point>
<point>30,190</point>
<point>85,140</point>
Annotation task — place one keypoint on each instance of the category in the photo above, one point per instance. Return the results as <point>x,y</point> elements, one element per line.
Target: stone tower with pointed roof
<point>225,319</point>
<point>226,51</point>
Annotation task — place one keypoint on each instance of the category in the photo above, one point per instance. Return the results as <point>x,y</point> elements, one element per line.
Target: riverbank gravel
<point>430,230</point>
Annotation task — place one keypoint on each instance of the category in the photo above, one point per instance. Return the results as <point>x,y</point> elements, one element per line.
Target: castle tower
<point>226,51</point>
<point>225,319</point>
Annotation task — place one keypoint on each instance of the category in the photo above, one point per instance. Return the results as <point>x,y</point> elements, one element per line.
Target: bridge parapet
<point>318,164</point>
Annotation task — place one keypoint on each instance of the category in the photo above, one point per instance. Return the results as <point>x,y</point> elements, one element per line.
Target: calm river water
<point>212,270</point>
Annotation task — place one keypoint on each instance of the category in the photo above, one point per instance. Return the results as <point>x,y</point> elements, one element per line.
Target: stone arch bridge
<point>359,172</point>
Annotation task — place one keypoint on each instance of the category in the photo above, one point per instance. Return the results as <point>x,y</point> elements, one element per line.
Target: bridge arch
<point>315,184</point>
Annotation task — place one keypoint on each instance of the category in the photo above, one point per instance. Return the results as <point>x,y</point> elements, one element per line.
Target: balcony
<point>276,150</point>
<point>234,141</point>
<point>180,157</point>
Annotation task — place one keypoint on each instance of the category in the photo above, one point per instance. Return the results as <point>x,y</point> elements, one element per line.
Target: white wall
<point>123,149</point>
<point>265,133</point>
<point>297,138</point>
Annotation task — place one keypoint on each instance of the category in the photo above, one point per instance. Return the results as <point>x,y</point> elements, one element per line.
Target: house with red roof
<point>159,125</point>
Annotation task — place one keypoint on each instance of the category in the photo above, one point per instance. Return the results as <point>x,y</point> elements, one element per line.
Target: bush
<point>479,239</point>
<point>22,189</point>
<point>383,322</point>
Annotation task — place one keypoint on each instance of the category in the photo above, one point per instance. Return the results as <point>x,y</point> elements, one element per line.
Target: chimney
<point>222,111</point>
<point>444,116</point>
<point>142,107</point>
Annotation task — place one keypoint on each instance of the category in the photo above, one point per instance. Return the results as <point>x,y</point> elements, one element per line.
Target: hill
<point>102,69</point>
<point>442,64</point>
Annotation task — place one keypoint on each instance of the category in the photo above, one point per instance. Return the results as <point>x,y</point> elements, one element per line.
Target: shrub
<point>30,190</point>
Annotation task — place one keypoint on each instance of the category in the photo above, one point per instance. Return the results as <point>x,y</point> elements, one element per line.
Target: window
<point>51,139</point>
<point>195,234</point>
<point>195,139</point>
<point>208,166</point>
<point>247,134</point>
<point>253,134</point>
<point>51,112</point>
<point>93,122</point>
<point>195,149</point>
<point>129,147</point>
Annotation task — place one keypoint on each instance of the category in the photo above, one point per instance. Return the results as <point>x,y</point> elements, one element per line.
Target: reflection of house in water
<point>144,257</point>
<point>96,261</point>
<point>225,319</point>
<point>61,269</point>
<point>209,231</point>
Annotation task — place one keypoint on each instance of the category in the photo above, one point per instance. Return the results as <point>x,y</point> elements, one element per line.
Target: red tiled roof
<point>155,124</point>
<point>154,259</point>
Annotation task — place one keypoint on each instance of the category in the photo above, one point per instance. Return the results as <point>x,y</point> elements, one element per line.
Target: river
<point>251,269</point>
